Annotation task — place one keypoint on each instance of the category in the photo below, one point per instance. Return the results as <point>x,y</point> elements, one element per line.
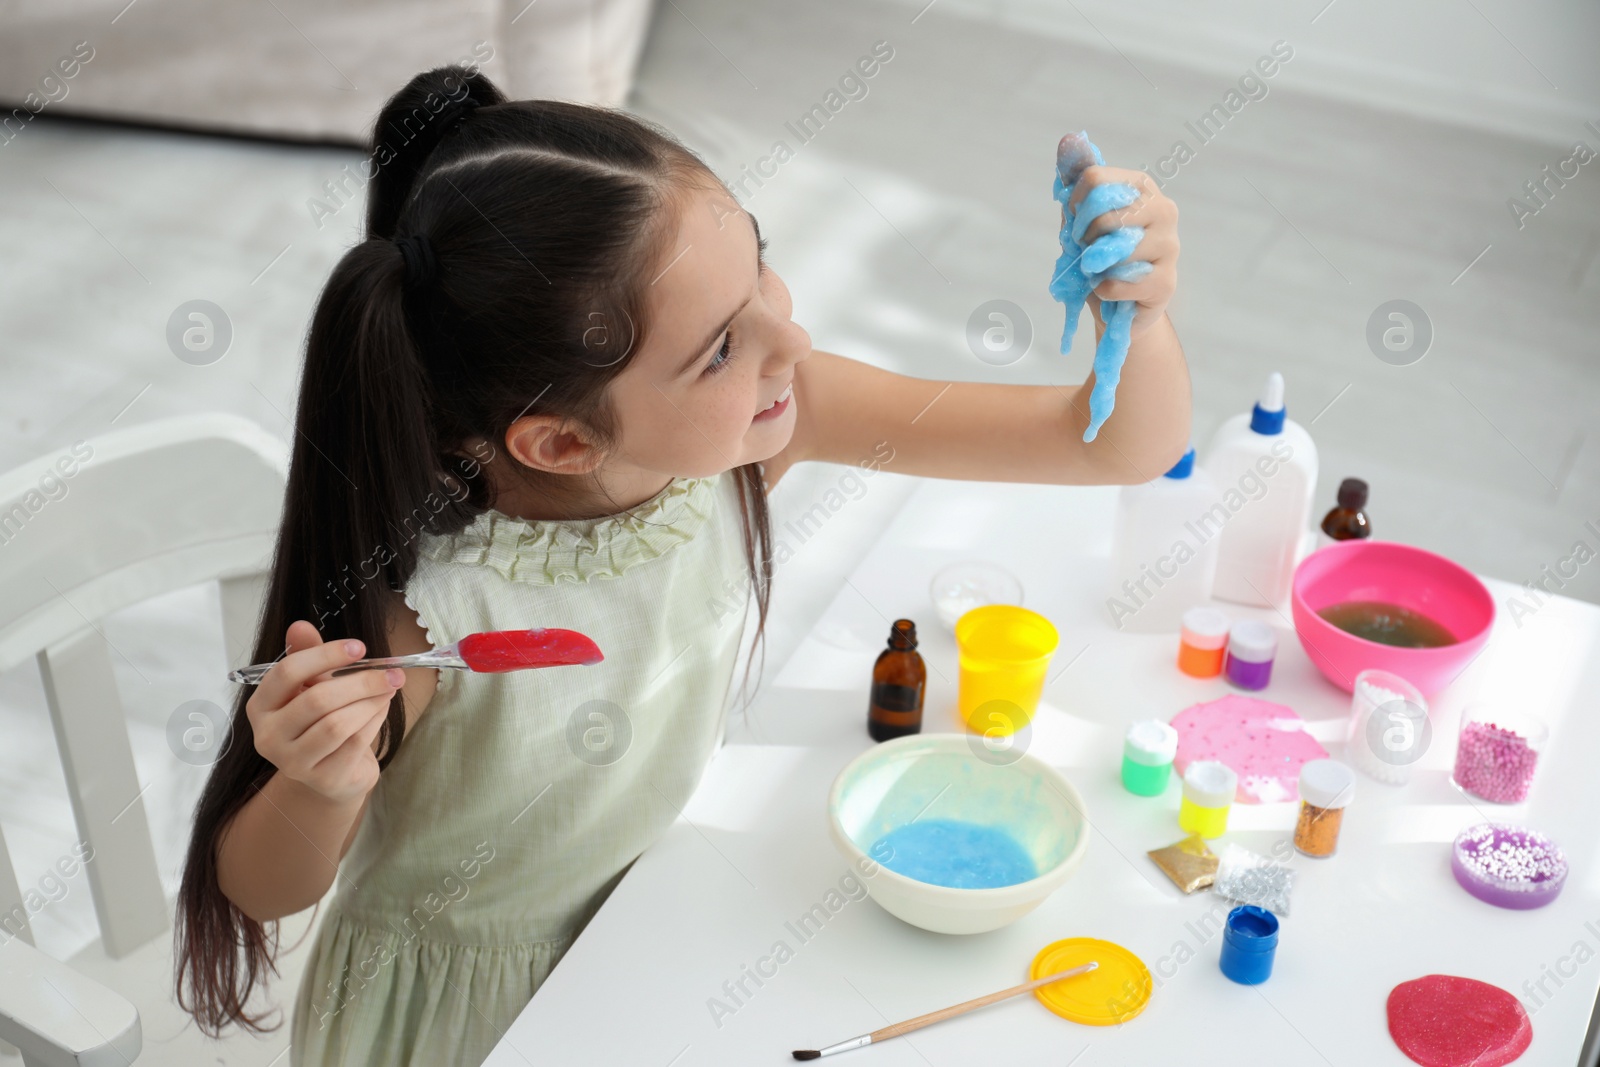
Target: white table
<point>752,853</point>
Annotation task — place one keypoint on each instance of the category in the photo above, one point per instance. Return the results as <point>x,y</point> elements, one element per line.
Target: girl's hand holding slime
<point>1107,214</point>
<point>1150,280</point>
<point>316,729</point>
<point>1105,202</point>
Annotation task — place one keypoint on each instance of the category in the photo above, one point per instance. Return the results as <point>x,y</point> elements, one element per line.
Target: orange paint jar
<point>1202,642</point>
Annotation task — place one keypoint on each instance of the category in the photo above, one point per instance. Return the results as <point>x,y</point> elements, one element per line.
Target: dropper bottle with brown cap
<point>1348,521</point>
<point>899,679</point>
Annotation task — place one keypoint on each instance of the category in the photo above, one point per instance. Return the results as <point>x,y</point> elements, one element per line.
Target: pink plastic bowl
<point>1397,574</point>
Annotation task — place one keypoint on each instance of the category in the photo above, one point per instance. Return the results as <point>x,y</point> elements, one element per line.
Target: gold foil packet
<point>1189,863</point>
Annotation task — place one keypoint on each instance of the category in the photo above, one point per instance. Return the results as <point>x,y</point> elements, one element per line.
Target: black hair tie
<point>457,113</point>
<point>421,266</point>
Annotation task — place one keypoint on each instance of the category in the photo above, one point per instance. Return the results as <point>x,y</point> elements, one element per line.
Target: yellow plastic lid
<point>1112,993</point>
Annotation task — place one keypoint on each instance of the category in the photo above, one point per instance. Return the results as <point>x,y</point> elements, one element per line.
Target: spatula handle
<point>436,657</point>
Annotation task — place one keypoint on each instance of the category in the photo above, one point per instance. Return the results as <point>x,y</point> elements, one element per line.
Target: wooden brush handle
<point>896,1029</point>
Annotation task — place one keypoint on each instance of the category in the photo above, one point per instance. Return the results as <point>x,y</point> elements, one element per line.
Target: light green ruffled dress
<point>518,800</point>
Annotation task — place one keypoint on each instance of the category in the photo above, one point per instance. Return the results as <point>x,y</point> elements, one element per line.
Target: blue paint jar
<point>1249,940</point>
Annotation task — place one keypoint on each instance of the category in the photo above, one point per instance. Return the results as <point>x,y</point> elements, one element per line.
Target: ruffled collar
<point>545,552</point>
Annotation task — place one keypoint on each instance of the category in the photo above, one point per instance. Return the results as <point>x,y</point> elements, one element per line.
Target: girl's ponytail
<point>367,478</point>
<point>365,481</point>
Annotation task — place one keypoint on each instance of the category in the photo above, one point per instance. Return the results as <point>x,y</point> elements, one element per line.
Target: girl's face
<point>711,387</point>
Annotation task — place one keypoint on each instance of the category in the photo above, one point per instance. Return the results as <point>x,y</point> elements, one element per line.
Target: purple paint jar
<point>1251,647</point>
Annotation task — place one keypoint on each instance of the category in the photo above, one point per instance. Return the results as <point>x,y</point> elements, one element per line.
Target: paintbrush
<point>896,1029</point>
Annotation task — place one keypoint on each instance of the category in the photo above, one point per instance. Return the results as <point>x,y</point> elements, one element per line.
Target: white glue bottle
<point>1265,469</point>
<point>1159,567</point>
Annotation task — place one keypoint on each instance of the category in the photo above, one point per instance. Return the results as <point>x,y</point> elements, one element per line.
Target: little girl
<point>551,387</point>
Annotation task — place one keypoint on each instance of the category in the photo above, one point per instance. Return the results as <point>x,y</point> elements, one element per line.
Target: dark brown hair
<point>546,220</point>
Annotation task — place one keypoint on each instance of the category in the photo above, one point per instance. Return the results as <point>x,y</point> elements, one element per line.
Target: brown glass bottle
<point>898,681</point>
<point>1348,521</point>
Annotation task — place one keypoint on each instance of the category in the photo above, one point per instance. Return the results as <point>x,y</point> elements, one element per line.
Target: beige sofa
<point>300,69</point>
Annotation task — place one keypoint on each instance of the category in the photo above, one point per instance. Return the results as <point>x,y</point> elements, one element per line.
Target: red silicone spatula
<point>487,653</point>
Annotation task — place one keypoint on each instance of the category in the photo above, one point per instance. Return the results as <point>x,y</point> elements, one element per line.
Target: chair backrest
<point>86,530</point>
<point>106,523</point>
<point>91,528</point>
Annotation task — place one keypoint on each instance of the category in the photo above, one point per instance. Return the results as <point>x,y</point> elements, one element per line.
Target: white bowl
<point>952,776</point>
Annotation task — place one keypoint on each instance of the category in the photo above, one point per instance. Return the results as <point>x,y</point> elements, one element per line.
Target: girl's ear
<point>551,443</point>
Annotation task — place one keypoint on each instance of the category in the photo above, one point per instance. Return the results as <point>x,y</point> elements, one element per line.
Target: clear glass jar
<point>960,587</point>
<point>1389,726</point>
<point>1498,753</point>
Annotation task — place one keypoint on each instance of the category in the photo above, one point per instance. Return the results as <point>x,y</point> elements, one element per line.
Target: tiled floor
<point>913,205</point>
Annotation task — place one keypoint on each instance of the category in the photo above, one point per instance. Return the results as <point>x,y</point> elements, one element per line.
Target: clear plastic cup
<point>1004,653</point>
<point>960,587</point>
<point>1497,753</point>
<point>1389,726</point>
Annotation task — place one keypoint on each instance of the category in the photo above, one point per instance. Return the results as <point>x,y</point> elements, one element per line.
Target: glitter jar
<point>1497,753</point>
<point>1389,729</point>
<point>1508,866</point>
<point>1147,754</point>
<point>1208,788</point>
<point>1251,646</point>
<point>1202,642</point>
<point>1326,786</point>
<point>1249,941</point>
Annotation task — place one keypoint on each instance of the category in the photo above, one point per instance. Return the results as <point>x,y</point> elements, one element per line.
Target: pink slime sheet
<point>1444,1021</point>
<point>1264,743</point>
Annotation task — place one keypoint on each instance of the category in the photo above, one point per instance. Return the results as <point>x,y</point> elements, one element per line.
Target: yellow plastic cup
<point>1004,651</point>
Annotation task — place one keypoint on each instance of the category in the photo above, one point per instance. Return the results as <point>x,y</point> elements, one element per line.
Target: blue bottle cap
<point>1183,468</point>
<point>1269,423</point>
<point>1268,414</point>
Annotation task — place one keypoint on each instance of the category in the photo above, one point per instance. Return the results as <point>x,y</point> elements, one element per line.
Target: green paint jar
<point>1147,754</point>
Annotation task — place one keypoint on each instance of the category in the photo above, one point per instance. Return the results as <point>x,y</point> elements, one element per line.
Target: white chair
<point>85,531</point>
<point>58,1017</point>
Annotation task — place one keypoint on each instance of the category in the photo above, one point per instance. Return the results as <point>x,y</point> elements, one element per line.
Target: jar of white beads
<point>1389,728</point>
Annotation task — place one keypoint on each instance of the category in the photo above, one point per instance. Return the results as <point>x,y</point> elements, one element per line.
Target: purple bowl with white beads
<point>1508,866</point>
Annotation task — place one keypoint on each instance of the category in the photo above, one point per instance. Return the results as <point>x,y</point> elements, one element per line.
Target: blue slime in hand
<point>1080,269</point>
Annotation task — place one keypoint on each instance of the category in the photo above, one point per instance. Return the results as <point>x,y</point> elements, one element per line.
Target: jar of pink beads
<point>1498,753</point>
